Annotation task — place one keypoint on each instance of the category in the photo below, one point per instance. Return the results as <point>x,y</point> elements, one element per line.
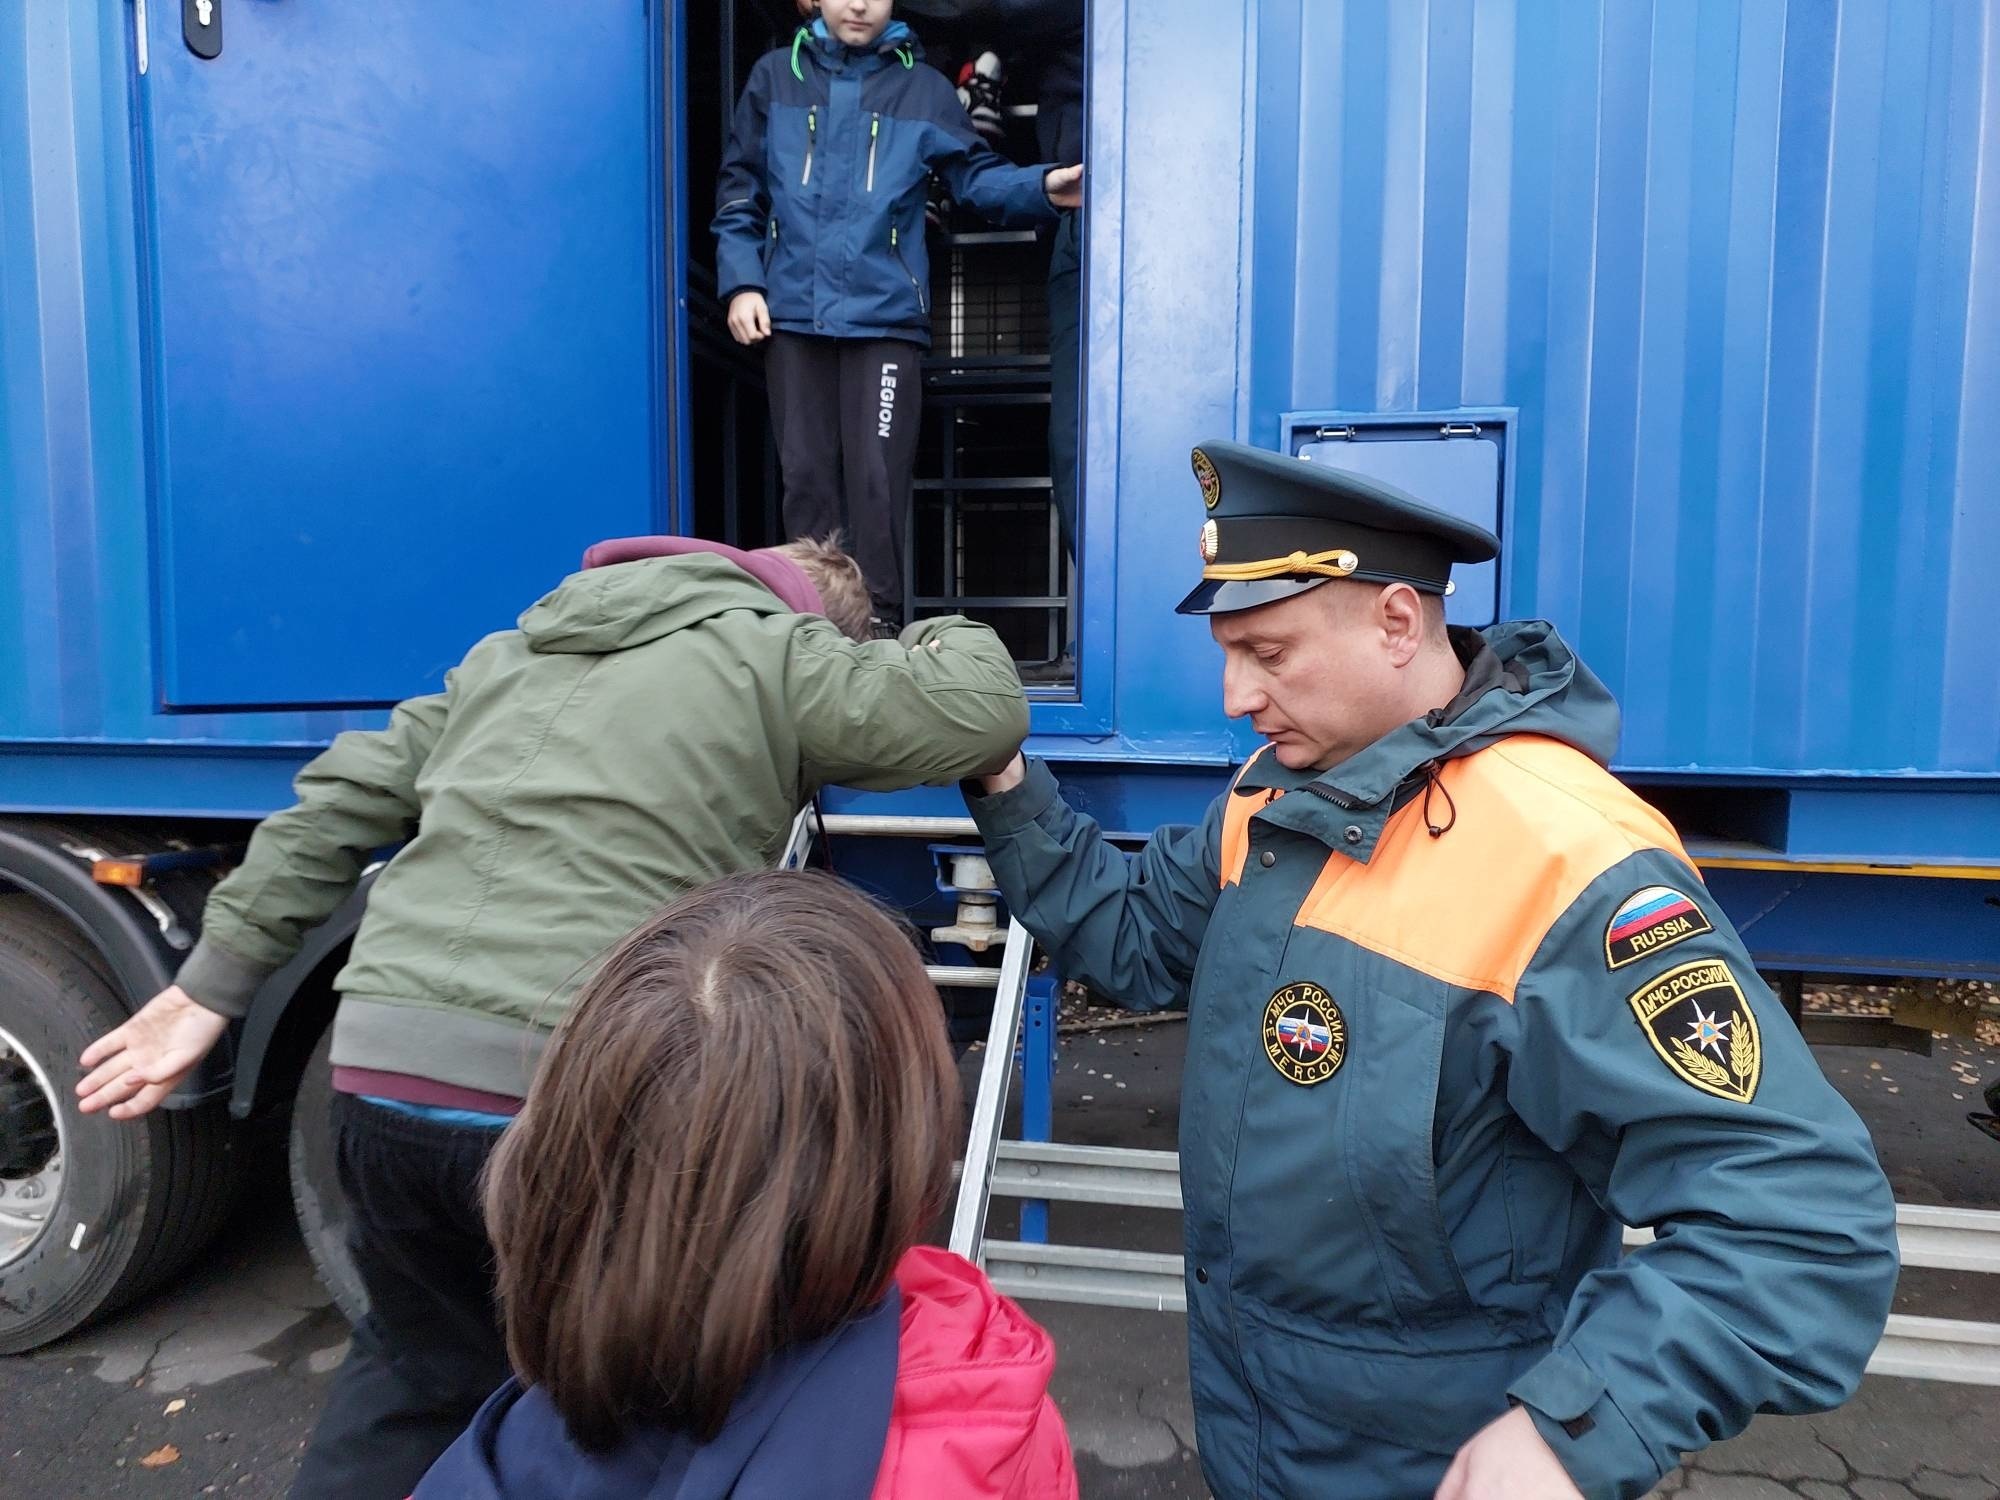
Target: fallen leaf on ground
<point>160,1457</point>
<point>177,1404</point>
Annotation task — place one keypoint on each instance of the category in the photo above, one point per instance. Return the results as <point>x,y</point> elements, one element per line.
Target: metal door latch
<point>201,27</point>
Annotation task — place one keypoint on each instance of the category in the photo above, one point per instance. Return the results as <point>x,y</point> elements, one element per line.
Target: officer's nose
<point>1241,697</point>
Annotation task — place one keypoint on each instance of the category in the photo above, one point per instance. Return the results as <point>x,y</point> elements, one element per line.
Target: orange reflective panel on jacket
<point>1537,821</point>
<point>1236,821</point>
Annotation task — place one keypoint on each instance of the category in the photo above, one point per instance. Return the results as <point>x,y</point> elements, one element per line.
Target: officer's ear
<point>1400,616</point>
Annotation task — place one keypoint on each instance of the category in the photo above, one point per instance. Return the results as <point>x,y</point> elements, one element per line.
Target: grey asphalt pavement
<point>211,1388</point>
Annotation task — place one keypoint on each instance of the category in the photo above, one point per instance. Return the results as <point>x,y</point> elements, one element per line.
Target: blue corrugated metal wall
<point>1733,263</point>
<point>1738,266</point>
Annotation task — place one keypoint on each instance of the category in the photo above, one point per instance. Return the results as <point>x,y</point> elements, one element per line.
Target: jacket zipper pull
<point>812,135</point>
<point>874,129</point>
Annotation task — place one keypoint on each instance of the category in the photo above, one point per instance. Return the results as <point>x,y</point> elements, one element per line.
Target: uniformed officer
<point>1459,1008</point>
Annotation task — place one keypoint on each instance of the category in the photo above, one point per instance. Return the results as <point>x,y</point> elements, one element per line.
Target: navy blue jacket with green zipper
<point>820,205</point>
<point>1458,1009</point>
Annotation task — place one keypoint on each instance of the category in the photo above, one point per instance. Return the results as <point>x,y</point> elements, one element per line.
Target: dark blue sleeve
<point>977,175</point>
<point>742,201</point>
<point>1129,926</point>
<point>1684,1098</point>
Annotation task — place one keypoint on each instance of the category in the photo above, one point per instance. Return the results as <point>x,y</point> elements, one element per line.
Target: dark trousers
<point>845,413</point>
<point>430,1350</point>
<point>1065,368</point>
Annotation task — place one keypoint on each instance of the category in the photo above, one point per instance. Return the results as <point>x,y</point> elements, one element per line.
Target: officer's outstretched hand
<point>1064,185</point>
<point>1507,1460</point>
<point>137,1065</point>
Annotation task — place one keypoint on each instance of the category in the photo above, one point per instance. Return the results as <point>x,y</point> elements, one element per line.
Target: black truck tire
<point>317,1198</point>
<point>94,1212</point>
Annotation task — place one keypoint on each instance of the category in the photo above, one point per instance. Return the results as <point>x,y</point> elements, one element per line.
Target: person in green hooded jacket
<point>654,723</point>
<point>1459,1008</point>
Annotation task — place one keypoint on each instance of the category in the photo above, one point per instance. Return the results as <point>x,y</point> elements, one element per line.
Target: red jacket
<point>972,1418</point>
<point>954,1390</point>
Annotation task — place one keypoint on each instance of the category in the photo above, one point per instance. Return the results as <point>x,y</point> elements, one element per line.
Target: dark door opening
<point>983,535</point>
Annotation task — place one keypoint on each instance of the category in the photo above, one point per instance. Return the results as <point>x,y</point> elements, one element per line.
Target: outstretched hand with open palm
<point>136,1065</point>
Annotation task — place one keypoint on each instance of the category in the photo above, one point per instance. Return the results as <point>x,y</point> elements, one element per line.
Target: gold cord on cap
<point>1335,564</point>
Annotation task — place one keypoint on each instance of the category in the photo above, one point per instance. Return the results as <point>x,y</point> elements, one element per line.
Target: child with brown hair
<point>706,1220</point>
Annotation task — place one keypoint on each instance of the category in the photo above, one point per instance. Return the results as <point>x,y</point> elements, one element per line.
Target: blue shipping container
<point>319,359</point>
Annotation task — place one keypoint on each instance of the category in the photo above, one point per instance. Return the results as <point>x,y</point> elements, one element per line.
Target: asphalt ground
<point>211,1388</point>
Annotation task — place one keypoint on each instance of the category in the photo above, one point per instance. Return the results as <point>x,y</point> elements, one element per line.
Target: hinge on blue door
<point>201,27</point>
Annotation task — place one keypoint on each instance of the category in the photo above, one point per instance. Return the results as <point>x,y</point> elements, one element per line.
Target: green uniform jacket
<point>1459,1008</point>
<point>649,726</point>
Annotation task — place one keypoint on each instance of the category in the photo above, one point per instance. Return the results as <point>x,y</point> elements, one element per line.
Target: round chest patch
<point>1305,1035</point>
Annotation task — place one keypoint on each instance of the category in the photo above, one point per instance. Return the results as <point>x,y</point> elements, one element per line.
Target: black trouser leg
<point>802,377</point>
<point>1065,369</point>
<point>881,408</point>
<point>430,1350</point>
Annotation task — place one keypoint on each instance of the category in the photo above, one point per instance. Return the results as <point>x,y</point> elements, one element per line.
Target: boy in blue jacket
<point>820,252</point>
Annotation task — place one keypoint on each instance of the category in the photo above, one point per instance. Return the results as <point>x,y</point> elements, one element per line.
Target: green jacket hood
<point>628,604</point>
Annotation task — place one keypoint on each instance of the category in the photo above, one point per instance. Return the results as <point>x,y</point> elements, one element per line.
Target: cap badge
<point>1211,541</point>
<point>1205,475</point>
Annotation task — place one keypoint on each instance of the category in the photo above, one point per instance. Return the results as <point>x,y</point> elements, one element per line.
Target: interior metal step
<point>962,977</point>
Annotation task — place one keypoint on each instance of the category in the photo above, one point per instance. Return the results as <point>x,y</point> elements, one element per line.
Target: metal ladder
<point>1952,1239</point>
<point>1040,1171</point>
<point>1034,1172</point>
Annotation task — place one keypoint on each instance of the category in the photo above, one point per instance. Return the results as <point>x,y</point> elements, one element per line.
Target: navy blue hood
<point>811,1423</point>
<point>895,37</point>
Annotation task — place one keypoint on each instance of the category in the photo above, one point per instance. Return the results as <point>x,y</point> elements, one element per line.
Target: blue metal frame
<point>1092,711</point>
<point>1038,1072</point>
<point>1864,924</point>
<point>675,507</point>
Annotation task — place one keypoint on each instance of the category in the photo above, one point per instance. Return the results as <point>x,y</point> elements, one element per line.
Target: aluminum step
<point>1938,1349</point>
<point>1088,1174</point>
<point>1937,1239</point>
<point>1088,1274</point>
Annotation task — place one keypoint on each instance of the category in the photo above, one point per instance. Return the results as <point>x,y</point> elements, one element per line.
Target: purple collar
<point>767,565</point>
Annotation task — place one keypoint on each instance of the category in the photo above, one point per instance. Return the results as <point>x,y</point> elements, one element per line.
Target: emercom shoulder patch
<point>1698,1021</point>
<point>1648,921</point>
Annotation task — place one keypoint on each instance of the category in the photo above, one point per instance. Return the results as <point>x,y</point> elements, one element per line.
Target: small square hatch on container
<point>1453,461</point>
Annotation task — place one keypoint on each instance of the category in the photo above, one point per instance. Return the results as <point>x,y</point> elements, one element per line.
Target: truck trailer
<point>330,336</point>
